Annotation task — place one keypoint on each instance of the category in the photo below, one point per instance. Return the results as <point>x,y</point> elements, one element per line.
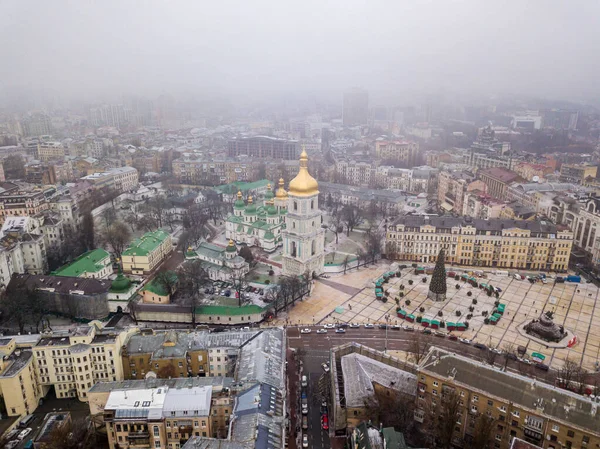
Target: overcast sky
<point>549,48</point>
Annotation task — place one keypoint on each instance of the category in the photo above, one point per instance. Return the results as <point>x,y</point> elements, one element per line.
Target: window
<point>475,398</point>
<point>490,403</point>
<point>570,434</point>
<point>434,392</point>
<point>156,431</point>
<point>555,428</point>
<point>435,383</point>
<point>498,437</point>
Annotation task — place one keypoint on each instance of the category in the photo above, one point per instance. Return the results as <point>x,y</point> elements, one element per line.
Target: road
<point>397,340</point>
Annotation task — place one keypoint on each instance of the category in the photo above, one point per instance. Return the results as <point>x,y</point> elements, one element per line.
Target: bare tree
<point>567,373</point>
<point>132,305</point>
<point>350,217</point>
<point>484,426</point>
<point>345,263</point>
<point>87,230</point>
<point>490,356</point>
<point>449,412</point>
<point>373,243</point>
<point>108,215</point>
<point>581,378</point>
<point>393,409</point>
<point>117,235</point>
<point>507,349</point>
<point>336,223</point>
<point>240,283</point>
<point>167,280</point>
<point>419,346</point>
<point>75,434</point>
<point>157,208</point>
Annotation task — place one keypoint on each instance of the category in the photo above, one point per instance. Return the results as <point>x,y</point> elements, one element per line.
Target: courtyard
<point>351,298</point>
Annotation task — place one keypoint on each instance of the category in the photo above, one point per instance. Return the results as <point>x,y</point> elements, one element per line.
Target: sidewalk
<point>293,379</point>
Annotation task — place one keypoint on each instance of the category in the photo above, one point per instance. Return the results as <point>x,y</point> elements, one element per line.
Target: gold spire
<point>303,184</point>
<point>239,195</point>
<point>230,242</point>
<point>269,186</point>
<point>250,199</point>
<point>281,193</point>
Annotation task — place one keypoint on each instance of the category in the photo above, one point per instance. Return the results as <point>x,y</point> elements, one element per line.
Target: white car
<point>24,433</point>
<point>325,367</point>
<point>306,330</point>
<point>329,326</point>
<point>497,351</point>
<point>12,444</point>
<point>465,341</point>
<point>525,361</point>
<point>305,440</point>
<point>321,331</point>
<point>354,325</point>
<point>369,326</point>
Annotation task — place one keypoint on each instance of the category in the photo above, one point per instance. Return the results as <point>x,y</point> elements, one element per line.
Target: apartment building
<point>22,203</point>
<point>146,253</point>
<point>497,181</point>
<point>532,172</point>
<point>263,147</point>
<point>477,204</point>
<point>354,173</point>
<point>180,354</point>
<point>521,407</point>
<point>68,210</point>
<point>538,196</point>
<point>452,186</point>
<point>531,245</point>
<point>47,151</point>
<point>19,384</point>
<point>121,179</point>
<point>72,362</point>
<point>398,150</point>
<point>577,173</point>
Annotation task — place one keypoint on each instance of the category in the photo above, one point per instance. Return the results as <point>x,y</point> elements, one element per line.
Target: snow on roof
<point>137,403</point>
<point>193,399</point>
<point>360,372</point>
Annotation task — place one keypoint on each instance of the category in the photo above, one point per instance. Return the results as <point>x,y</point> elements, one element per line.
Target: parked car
<point>542,366</point>
<point>466,341</point>
<point>383,326</point>
<point>325,367</point>
<point>408,329</point>
<point>354,325</point>
<point>343,325</point>
<point>24,433</point>
<point>480,346</point>
<point>339,330</point>
<point>427,331</point>
<point>496,350</point>
<point>12,444</point>
<point>321,331</point>
<point>304,422</point>
<point>395,327</point>
<point>304,440</point>
<point>329,326</point>
<point>325,422</point>
<point>304,381</point>
<point>440,334</point>
<point>452,337</point>
<point>306,330</point>
<point>369,326</point>
<point>10,435</point>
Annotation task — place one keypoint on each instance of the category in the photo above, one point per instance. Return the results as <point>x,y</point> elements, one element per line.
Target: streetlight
<point>387,320</point>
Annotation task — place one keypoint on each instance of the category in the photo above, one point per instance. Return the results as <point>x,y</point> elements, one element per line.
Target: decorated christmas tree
<point>437,287</point>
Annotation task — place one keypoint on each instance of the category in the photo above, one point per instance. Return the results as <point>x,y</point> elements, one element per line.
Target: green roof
<point>146,243</point>
<point>269,235</point>
<point>210,250</point>
<point>120,285</point>
<point>243,186</point>
<point>86,263</point>
<point>230,311</point>
<point>157,287</point>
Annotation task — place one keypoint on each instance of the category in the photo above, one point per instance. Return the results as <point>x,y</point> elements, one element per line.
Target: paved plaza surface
<point>351,298</point>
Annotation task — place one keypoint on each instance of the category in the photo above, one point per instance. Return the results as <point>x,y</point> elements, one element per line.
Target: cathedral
<point>303,237</point>
<point>289,219</point>
<point>259,224</point>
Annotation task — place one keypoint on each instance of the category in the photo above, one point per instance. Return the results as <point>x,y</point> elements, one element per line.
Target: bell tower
<point>303,237</point>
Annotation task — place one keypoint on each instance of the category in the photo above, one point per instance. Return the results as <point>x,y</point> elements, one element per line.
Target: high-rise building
<point>36,125</point>
<point>356,107</point>
<point>303,237</point>
<point>109,115</point>
<point>263,147</point>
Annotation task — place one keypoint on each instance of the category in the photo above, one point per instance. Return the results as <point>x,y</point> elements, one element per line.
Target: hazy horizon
<point>266,48</point>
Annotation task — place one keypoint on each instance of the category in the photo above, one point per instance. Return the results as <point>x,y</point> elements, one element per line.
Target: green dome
<point>269,235</point>
<point>231,247</point>
<point>272,210</point>
<point>120,284</point>
<point>239,204</point>
<point>269,195</point>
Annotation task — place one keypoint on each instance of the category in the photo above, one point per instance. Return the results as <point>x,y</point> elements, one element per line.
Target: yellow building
<point>578,174</point>
<point>146,253</point>
<point>531,245</point>
<point>520,406</point>
<point>401,151</point>
<point>18,381</point>
<point>72,363</point>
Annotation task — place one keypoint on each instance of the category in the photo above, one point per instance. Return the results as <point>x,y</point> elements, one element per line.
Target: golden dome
<point>303,184</point>
<point>281,193</point>
<point>250,199</point>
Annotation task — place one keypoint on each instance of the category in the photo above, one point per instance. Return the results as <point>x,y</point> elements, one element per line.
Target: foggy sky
<point>548,48</point>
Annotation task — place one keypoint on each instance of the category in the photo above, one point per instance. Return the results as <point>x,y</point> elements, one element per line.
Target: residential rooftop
<point>216,383</point>
<point>525,392</point>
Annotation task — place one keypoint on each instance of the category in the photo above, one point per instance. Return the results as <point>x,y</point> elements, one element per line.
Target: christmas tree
<point>437,287</point>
